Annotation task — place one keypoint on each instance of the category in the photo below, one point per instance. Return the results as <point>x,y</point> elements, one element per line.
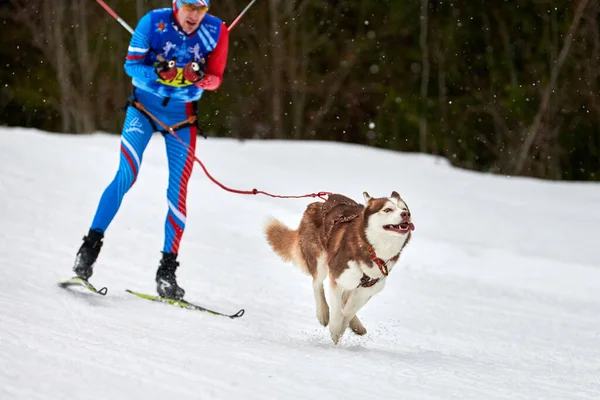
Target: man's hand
<point>193,72</point>
<point>166,69</point>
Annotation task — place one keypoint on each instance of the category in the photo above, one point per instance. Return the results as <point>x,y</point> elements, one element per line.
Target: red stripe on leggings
<point>185,177</point>
<point>131,163</point>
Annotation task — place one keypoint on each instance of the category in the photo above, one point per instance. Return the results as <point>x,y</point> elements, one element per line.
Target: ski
<point>77,281</point>
<point>184,304</point>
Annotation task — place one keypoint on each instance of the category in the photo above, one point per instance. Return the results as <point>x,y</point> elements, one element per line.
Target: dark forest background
<point>502,86</point>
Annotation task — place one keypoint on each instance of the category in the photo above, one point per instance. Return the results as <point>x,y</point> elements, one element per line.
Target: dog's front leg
<point>336,323</point>
<point>356,299</point>
<point>354,324</point>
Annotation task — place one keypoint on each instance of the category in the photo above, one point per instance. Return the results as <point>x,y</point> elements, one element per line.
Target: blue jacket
<point>158,33</point>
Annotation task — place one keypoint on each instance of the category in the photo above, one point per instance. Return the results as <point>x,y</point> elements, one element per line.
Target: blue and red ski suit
<point>172,102</point>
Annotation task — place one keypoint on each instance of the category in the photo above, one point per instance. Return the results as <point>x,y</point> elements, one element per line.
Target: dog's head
<point>389,215</point>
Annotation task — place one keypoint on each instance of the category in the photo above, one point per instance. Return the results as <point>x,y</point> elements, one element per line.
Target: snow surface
<point>496,297</point>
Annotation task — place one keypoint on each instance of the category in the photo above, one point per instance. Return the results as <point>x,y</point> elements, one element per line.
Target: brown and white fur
<point>332,240</point>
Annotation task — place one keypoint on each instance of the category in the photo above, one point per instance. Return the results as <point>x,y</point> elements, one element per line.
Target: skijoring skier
<point>174,55</point>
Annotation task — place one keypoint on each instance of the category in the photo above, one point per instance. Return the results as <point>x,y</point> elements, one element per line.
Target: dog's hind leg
<point>319,292</point>
<point>357,326</point>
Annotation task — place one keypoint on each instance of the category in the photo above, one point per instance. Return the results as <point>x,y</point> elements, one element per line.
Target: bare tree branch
<point>534,130</point>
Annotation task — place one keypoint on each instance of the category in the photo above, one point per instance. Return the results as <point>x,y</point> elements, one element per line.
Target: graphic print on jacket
<point>158,33</point>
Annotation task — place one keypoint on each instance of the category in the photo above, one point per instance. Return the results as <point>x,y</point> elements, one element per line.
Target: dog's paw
<point>323,316</point>
<point>357,326</point>
<point>336,331</point>
<point>336,336</point>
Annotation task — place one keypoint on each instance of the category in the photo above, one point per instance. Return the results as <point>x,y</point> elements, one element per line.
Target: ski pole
<point>126,25</point>
<point>115,16</point>
<point>235,21</point>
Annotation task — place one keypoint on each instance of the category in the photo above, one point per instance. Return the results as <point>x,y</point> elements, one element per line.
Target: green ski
<point>183,304</point>
<point>77,281</point>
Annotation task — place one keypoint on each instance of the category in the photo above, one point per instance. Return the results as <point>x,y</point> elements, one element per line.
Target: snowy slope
<point>496,297</point>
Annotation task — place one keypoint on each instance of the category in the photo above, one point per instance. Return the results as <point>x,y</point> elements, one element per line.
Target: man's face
<point>190,16</point>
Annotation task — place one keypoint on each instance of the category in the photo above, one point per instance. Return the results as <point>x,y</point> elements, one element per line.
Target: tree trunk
<point>277,55</point>
<point>53,19</point>
<point>442,92</point>
<point>424,77</point>
<point>140,9</point>
<point>508,48</point>
<point>297,70</point>
<point>83,114</point>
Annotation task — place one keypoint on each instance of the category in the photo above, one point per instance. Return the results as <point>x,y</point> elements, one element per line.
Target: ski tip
<point>184,304</point>
<point>70,281</point>
<point>77,281</point>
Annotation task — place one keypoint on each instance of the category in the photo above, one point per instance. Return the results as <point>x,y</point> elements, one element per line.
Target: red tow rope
<point>255,191</point>
<point>171,130</point>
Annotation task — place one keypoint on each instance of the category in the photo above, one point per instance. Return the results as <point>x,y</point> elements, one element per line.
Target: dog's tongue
<point>410,226</point>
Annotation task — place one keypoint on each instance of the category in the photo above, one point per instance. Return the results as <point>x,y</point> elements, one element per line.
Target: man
<point>174,55</point>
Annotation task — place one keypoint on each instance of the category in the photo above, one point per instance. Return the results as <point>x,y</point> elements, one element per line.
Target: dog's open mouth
<point>403,227</point>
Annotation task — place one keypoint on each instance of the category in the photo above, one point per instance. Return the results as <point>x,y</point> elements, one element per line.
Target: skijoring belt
<point>192,120</point>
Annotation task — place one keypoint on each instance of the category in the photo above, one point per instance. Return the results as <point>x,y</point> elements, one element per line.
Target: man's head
<point>189,13</point>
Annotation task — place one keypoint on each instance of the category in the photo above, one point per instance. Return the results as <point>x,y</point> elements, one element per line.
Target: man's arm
<point>139,46</point>
<point>216,61</point>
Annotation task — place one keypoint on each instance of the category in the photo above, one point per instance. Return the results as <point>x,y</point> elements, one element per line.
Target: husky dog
<point>355,245</point>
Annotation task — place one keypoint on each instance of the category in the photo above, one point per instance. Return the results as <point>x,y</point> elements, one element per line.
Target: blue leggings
<point>137,131</point>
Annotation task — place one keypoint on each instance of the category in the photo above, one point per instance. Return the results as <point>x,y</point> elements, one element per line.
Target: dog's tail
<point>284,241</point>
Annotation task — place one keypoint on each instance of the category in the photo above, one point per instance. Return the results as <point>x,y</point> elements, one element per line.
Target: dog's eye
<point>388,210</point>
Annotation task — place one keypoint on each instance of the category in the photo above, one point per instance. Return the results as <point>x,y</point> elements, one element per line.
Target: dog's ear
<point>367,197</point>
<point>396,195</point>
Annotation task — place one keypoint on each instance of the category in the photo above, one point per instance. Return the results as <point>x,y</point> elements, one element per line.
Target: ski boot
<point>166,283</point>
<point>87,254</point>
